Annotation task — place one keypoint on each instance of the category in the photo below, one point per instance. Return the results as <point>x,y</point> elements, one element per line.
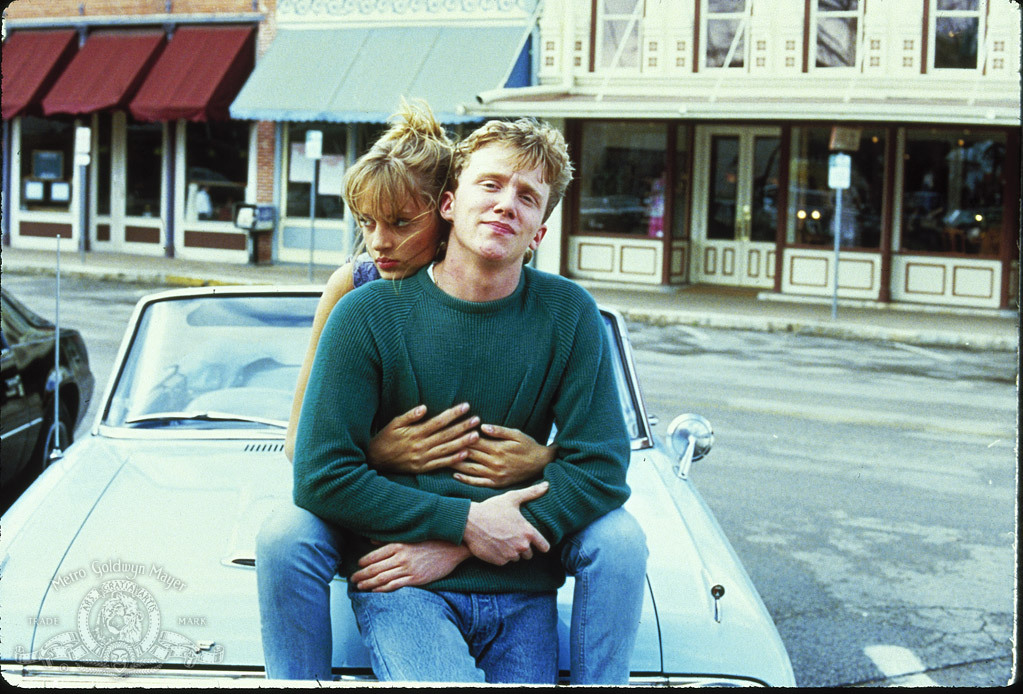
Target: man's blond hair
<point>537,145</point>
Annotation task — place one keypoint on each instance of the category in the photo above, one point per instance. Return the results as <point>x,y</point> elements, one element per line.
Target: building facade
<point>704,132</point>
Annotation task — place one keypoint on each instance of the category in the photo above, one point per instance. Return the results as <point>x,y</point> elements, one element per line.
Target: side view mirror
<point>690,437</point>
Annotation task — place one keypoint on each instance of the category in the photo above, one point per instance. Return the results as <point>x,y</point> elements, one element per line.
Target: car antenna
<point>56,453</point>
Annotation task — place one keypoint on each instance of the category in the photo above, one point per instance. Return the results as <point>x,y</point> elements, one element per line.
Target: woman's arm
<point>339,284</point>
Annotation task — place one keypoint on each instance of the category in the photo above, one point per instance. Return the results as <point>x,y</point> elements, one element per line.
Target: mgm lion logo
<point>119,624</point>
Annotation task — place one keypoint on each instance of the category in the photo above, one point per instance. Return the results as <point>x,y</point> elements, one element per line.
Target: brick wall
<point>24,9</point>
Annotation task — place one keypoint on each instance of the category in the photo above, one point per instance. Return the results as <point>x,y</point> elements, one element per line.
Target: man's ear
<point>447,199</point>
<point>538,236</point>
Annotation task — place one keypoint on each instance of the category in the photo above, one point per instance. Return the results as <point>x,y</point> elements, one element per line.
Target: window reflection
<point>331,170</point>
<point>622,176</point>
<point>143,164</point>
<point>953,192</point>
<point>811,213</point>
<point>727,25</point>
<point>217,157</point>
<point>46,160</point>
<point>619,33</point>
<point>956,27</point>
<point>837,29</point>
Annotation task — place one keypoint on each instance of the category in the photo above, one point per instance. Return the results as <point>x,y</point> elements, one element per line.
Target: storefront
<point>159,160</point>
<point>702,141</point>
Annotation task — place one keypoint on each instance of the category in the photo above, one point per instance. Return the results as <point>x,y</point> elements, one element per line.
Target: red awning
<point>31,62</point>
<point>106,72</point>
<point>198,76</point>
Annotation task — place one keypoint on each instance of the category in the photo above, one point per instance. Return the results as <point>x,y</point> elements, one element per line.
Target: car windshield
<point>215,362</point>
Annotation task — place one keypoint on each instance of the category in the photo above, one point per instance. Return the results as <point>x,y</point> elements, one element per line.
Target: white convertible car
<point>132,556</point>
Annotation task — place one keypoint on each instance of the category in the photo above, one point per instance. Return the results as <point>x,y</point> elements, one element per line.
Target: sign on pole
<point>313,150</point>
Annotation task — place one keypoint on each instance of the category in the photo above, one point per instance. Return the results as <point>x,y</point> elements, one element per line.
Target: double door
<point>735,213</point>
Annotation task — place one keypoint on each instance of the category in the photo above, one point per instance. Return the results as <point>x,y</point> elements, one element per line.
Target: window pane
<point>764,222</point>
<point>143,164</point>
<point>955,42</point>
<point>952,192</point>
<point>837,5</point>
<point>811,213</point>
<point>622,178</point>
<point>332,166</point>
<point>969,5</point>
<point>726,5</point>
<point>720,35</point>
<point>620,6</point>
<point>680,207</point>
<point>102,169</point>
<point>616,34</point>
<point>217,156</point>
<point>46,160</point>
<point>724,178</point>
<point>836,42</point>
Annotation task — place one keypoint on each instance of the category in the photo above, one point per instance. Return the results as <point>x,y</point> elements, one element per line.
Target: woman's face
<point>401,246</point>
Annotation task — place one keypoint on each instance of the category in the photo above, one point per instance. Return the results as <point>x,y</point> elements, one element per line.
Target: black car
<point>31,384</point>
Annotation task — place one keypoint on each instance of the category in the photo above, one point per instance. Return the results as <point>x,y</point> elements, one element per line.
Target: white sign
<point>839,171</point>
<point>314,144</point>
<point>83,140</point>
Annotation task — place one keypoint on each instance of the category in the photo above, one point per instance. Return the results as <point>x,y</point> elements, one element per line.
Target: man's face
<point>496,211</point>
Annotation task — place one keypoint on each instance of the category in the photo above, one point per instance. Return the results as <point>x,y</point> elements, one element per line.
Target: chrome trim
<point>12,432</point>
<point>78,675</point>
<point>621,335</point>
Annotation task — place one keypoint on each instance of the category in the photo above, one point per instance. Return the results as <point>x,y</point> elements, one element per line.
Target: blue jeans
<point>418,635</point>
<point>297,555</point>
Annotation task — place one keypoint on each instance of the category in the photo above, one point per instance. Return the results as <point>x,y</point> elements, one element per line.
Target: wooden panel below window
<point>102,232</point>
<point>214,239</point>
<point>141,234</point>
<point>47,230</point>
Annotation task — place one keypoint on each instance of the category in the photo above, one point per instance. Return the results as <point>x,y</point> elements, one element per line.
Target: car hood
<point>137,525</point>
<point>173,538</point>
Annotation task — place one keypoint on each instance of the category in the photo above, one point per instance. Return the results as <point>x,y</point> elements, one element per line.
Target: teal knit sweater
<point>536,357</point>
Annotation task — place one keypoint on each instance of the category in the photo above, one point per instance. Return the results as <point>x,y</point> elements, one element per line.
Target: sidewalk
<point>699,305</point>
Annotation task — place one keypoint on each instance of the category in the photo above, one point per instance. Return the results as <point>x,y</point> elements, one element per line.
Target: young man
<point>527,350</point>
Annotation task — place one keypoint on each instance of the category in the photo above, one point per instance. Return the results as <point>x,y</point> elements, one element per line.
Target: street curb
<point>712,320</point>
<point>821,329</point>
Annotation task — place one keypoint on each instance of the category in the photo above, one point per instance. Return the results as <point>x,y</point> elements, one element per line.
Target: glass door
<point>735,218</point>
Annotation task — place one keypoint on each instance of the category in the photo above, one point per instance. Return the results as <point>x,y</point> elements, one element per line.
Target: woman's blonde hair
<point>410,161</point>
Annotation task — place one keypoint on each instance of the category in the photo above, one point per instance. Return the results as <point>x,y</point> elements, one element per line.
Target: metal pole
<point>83,217</point>
<point>312,216</point>
<point>838,238</point>
<point>55,428</point>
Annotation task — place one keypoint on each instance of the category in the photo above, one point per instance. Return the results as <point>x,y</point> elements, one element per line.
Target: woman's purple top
<point>364,270</point>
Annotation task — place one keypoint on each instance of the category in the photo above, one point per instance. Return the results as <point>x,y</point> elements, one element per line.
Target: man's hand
<point>496,531</point>
<point>503,458</point>
<point>398,564</point>
<point>408,446</point>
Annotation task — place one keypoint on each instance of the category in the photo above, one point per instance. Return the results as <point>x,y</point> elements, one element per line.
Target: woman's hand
<point>502,458</point>
<point>408,446</point>
<point>401,564</point>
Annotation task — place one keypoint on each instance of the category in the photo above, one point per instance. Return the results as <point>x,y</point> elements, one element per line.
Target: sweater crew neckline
<point>424,277</point>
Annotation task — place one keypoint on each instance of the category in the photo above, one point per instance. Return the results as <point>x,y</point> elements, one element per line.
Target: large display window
<point>143,162</point>
<point>953,191</point>
<point>217,160</point>
<point>47,155</point>
<point>622,178</point>
<point>812,204</point>
<point>299,169</point>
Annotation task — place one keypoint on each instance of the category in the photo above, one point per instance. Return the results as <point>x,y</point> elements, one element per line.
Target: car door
<point>21,413</point>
